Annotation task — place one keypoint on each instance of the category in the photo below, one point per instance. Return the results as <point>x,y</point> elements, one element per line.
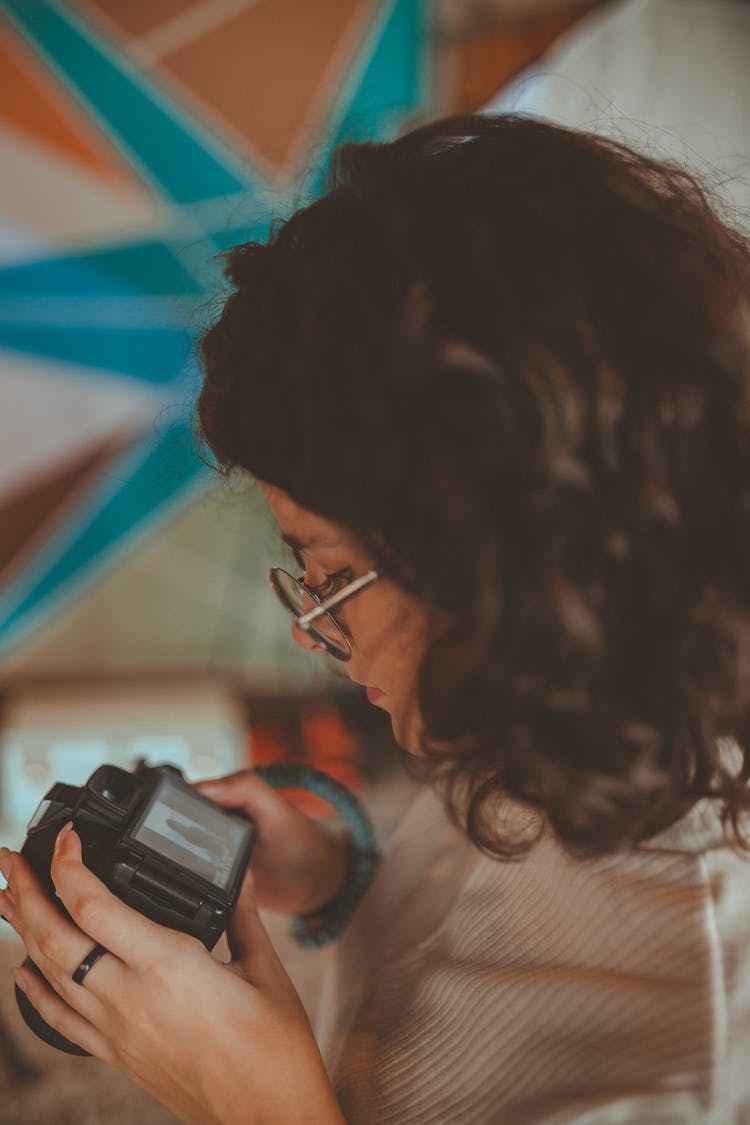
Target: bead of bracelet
<point>324,925</point>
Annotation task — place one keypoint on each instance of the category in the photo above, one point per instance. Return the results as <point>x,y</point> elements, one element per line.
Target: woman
<point>495,386</point>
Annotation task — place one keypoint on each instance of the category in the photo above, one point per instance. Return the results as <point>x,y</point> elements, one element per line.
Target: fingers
<point>55,944</point>
<point>136,940</point>
<point>245,790</point>
<point>60,1016</point>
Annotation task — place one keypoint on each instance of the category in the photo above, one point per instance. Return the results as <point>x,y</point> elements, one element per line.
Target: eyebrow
<point>298,544</point>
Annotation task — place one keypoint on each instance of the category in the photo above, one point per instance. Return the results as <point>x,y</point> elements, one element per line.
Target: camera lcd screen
<point>183,827</point>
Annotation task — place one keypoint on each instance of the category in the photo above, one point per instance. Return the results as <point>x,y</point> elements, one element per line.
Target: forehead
<point>302,526</point>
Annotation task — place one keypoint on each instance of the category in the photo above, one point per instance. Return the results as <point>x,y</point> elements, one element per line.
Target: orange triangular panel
<point>36,104</point>
<point>139,17</point>
<point>273,71</point>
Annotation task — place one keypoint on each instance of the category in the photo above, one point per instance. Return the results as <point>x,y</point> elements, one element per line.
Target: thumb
<point>248,940</point>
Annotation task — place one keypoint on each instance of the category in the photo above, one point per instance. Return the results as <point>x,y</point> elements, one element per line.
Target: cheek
<point>387,654</point>
<point>390,641</point>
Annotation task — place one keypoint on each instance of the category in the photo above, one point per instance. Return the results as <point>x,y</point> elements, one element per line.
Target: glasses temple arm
<point>306,619</point>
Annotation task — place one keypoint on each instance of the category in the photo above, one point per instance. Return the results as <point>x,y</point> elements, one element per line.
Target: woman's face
<point>387,627</point>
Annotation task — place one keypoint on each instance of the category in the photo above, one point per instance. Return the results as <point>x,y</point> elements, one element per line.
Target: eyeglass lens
<point>298,600</point>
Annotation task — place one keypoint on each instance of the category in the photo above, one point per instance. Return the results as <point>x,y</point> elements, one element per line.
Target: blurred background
<point>139,139</point>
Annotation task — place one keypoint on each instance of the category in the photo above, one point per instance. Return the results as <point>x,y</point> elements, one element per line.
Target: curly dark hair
<point>514,360</point>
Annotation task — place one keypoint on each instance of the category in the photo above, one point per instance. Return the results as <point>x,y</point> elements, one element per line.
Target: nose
<point>304,640</point>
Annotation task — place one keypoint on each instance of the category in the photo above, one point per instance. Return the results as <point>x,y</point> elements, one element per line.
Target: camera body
<point>164,849</point>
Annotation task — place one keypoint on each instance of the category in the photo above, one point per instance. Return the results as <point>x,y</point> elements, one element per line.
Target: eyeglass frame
<point>305,621</point>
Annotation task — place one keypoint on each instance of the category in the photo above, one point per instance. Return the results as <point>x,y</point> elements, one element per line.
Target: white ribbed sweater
<point>469,991</point>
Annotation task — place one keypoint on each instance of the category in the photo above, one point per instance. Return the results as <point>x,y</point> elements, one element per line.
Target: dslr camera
<point>164,849</point>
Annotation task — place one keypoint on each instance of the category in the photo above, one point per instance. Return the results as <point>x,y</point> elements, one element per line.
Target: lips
<point>374,694</point>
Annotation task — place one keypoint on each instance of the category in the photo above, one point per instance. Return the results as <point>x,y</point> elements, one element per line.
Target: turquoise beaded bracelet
<point>324,925</point>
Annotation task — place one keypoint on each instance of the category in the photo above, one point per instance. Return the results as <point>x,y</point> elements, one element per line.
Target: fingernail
<point>6,862</point>
<point>7,906</point>
<point>71,841</point>
<point>19,979</point>
<point>63,833</point>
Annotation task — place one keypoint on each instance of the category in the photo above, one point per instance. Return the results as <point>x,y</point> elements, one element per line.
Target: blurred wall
<point>670,77</point>
<point>138,139</point>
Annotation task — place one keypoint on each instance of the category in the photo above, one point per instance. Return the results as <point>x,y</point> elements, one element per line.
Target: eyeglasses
<point>312,614</point>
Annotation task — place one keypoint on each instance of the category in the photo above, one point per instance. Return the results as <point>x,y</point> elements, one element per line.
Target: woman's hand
<point>218,1045</point>
<point>298,864</point>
